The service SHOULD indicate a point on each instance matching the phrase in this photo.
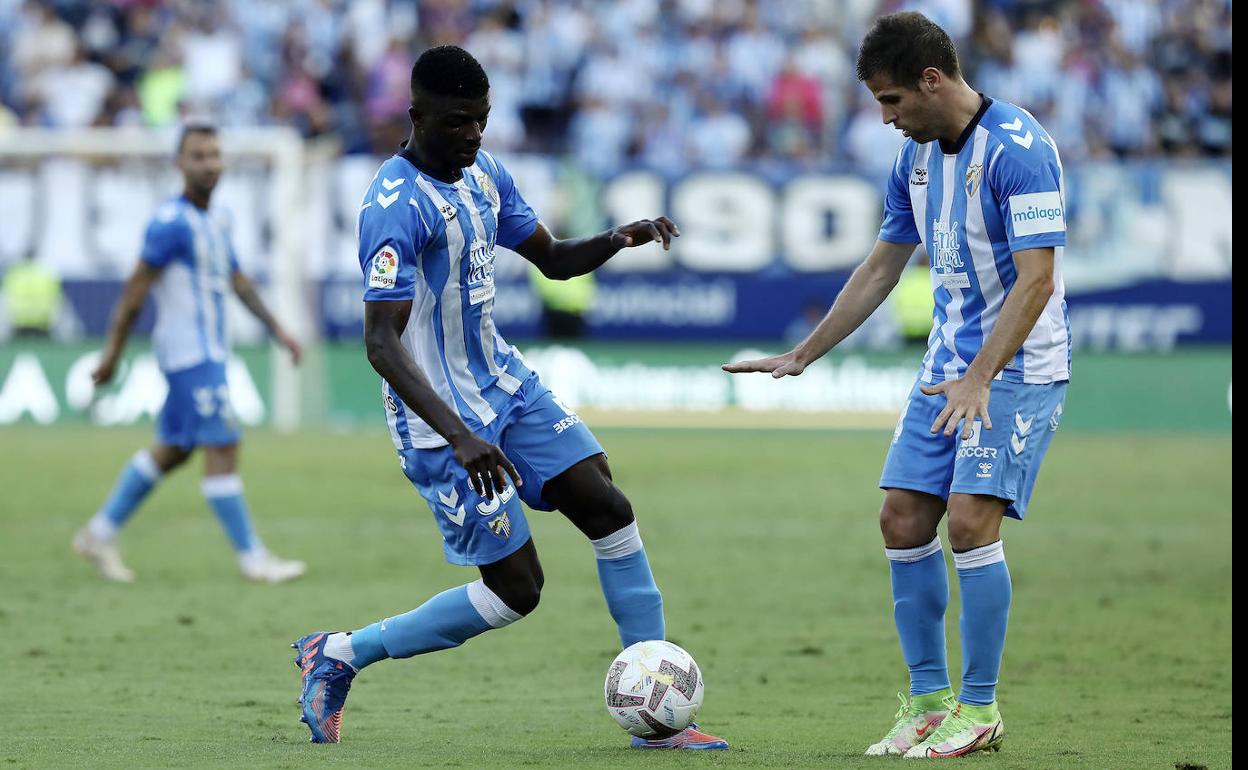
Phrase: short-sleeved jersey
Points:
(1001, 192)
(433, 243)
(192, 249)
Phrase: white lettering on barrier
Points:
(26, 391)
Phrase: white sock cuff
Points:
(145, 464)
(913, 554)
(221, 486)
(980, 557)
(102, 527)
(491, 608)
(617, 545)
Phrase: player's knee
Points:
(967, 531)
(904, 528)
(169, 458)
(618, 511)
(522, 596)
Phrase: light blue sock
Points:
(225, 495)
(632, 596)
(920, 597)
(986, 591)
(447, 620)
(137, 479)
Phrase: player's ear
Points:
(932, 79)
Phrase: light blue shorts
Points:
(541, 439)
(197, 410)
(1002, 462)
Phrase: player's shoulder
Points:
(170, 219)
(1016, 137)
(391, 191)
(395, 201)
(171, 211)
(394, 177)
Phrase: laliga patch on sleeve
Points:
(1036, 213)
(385, 267)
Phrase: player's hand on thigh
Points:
(487, 466)
(966, 400)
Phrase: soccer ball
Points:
(654, 689)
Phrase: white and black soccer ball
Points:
(654, 689)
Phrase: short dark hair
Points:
(191, 129)
(449, 70)
(902, 45)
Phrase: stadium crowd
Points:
(664, 83)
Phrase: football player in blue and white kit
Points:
(979, 185)
(189, 263)
(475, 429)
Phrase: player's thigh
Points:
(974, 520)
(908, 519)
(475, 530)
(169, 457)
(587, 496)
(545, 440)
(919, 460)
(220, 460)
(1004, 462)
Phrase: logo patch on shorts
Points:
(385, 268)
(500, 526)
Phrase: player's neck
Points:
(964, 109)
(198, 200)
(428, 165)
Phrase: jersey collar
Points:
(984, 104)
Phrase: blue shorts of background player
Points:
(197, 410)
(1002, 462)
(540, 437)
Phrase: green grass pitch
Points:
(765, 545)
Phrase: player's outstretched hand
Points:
(779, 366)
(486, 464)
(104, 371)
(292, 346)
(661, 230)
(965, 401)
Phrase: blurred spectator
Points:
(32, 297)
(70, 95)
(667, 82)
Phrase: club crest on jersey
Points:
(488, 188)
(918, 177)
(973, 175)
(385, 267)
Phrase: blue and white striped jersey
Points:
(192, 248)
(1001, 192)
(433, 243)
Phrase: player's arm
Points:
(126, 312)
(967, 396)
(862, 294)
(247, 294)
(384, 322)
(570, 257)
